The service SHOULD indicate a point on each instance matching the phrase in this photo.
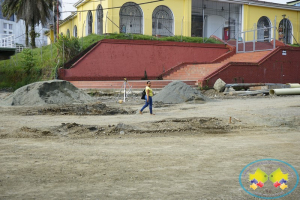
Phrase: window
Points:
(162, 21)
(10, 33)
(75, 31)
(285, 31)
(264, 31)
(89, 23)
(10, 26)
(5, 25)
(68, 33)
(99, 21)
(5, 32)
(131, 18)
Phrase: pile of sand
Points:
(179, 92)
(47, 92)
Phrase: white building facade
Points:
(12, 32)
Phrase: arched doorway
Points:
(89, 24)
(75, 31)
(99, 21)
(285, 31)
(131, 18)
(162, 21)
(263, 32)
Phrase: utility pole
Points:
(54, 32)
(57, 19)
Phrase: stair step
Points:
(199, 71)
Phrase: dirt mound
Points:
(47, 92)
(80, 109)
(179, 92)
(198, 125)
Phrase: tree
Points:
(33, 12)
(11, 7)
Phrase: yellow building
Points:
(258, 15)
(224, 18)
(172, 16)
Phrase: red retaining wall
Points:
(275, 68)
(116, 59)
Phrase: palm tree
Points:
(12, 7)
(33, 12)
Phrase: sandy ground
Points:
(38, 160)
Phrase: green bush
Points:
(67, 48)
(28, 60)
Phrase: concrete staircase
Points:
(200, 71)
(117, 85)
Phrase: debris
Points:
(229, 90)
(197, 125)
(258, 88)
(254, 92)
(286, 91)
(293, 85)
(244, 93)
(219, 85)
(236, 119)
(122, 127)
(179, 92)
(251, 85)
(247, 84)
(80, 109)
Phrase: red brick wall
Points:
(116, 59)
(276, 69)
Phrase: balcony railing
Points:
(7, 41)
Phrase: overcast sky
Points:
(67, 5)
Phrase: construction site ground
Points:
(185, 151)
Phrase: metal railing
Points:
(20, 48)
(244, 44)
(9, 41)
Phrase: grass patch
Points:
(295, 45)
(13, 71)
(87, 41)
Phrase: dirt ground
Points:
(185, 151)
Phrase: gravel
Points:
(46, 92)
(179, 92)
